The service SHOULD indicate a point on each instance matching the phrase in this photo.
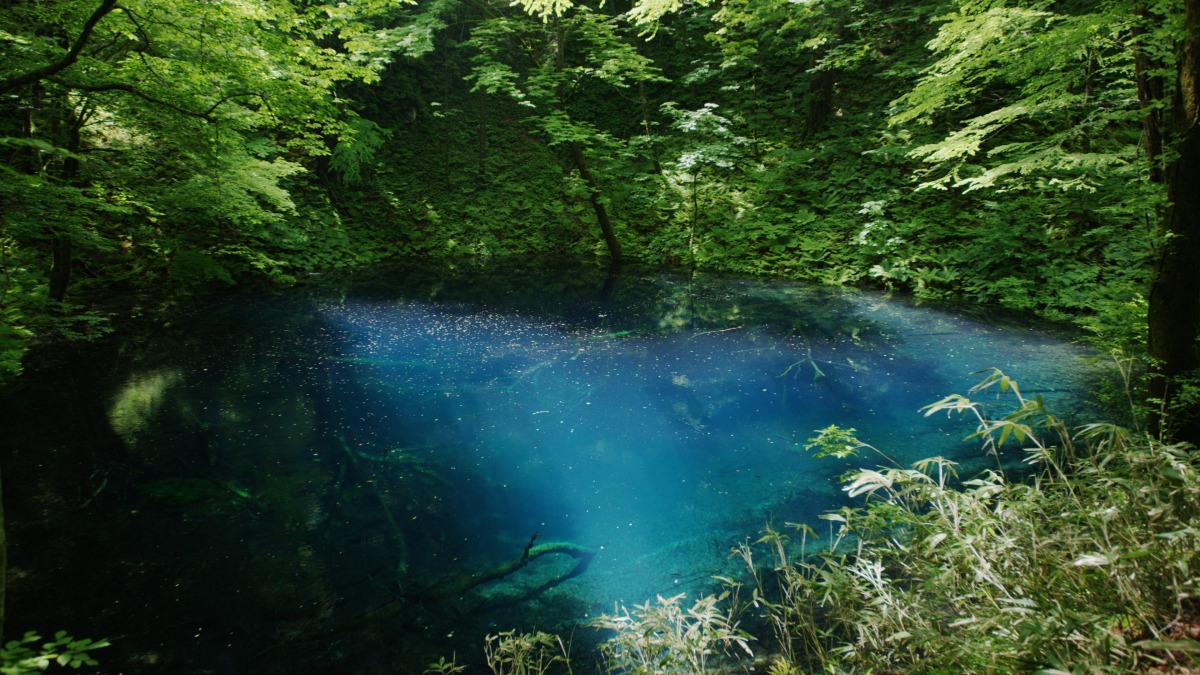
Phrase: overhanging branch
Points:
(69, 58)
(134, 91)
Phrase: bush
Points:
(1090, 564)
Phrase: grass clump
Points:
(1088, 564)
(669, 637)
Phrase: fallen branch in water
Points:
(397, 533)
(449, 588)
(446, 589)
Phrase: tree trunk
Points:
(75, 49)
(576, 151)
(62, 248)
(483, 140)
(60, 266)
(454, 587)
(606, 228)
(1150, 93)
(648, 129)
(695, 219)
(1174, 312)
(3, 564)
(819, 106)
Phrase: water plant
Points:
(444, 667)
(669, 637)
(1087, 564)
(513, 653)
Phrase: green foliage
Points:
(1070, 571)
(954, 149)
(834, 441)
(513, 653)
(1071, 77)
(790, 146)
(357, 149)
(1042, 109)
(13, 336)
(191, 269)
(137, 136)
(28, 656)
(444, 667)
(667, 636)
(546, 9)
(647, 13)
(710, 157)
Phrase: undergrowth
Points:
(1087, 563)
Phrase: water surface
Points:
(287, 481)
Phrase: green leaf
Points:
(1185, 645)
(834, 441)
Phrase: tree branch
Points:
(69, 58)
(130, 89)
(449, 588)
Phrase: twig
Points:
(713, 332)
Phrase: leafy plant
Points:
(27, 656)
(513, 653)
(444, 667)
(1085, 566)
(669, 637)
(13, 337)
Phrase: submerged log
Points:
(453, 587)
(397, 533)
(450, 588)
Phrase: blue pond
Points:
(299, 481)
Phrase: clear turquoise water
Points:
(280, 482)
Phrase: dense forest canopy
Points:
(1033, 154)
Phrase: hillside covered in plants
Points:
(1039, 156)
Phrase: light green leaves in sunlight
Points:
(544, 9)
(834, 441)
(1059, 83)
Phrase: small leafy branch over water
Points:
(31, 654)
(1089, 563)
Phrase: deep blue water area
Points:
(290, 481)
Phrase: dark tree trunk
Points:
(1174, 314)
(819, 107)
(3, 563)
(1150, 94)
(483, 139)
(62, 248)
(576, 151)
(60, 266)
(606, 228)
(51, 69)
(648, 129)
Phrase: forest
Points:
(1030, 156)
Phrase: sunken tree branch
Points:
(457, 586)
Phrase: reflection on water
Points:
(301, 482)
